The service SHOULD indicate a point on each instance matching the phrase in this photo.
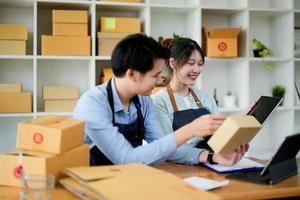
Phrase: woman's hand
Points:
(229, 159)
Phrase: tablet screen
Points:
(264, 107)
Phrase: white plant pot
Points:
(229, 102)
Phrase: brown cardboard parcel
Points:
(13, 47)
(68, 29)
(10, 87)
(50, 134)
(60, 92)
(66, 45)
(120, 24)
(220, 42)
(234, 131)
(60, 105)
(13, 32)
(108, 41)
(15, 102)
(70, 16)
(104, 181)
(40, 163)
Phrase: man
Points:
(119, 114)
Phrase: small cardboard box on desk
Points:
(46, 145)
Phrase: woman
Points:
(180, 103)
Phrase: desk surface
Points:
(235, 190)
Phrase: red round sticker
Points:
(18, 170)
(222, 46)
(38, 138)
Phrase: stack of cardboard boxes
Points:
(46, 145)
(13, 39)
(60, 98)
(70, 34)
(13, 100)
(112, 30)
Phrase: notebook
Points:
(244, 164)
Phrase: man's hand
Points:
(229, 159)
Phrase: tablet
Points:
(287, 150)
(264, 107)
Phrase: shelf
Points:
(221, 11)
(269, 12)
(158, 8)
(269, 59)
(119, 6)
(239, 59)
(61, 4)
(102, 57)
(64, 57)
(16, 57)
(39, 114)
(16, 115)
(17, 4)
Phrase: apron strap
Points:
(137, 105)
(198, 102)
(110, 99)
(173, 102)
(172, 99)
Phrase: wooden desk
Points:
(237, 189)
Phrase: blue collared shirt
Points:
(94, 108)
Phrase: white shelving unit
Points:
(271, 21)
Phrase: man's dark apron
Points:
(133, 132)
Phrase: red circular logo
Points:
(222, 46)
(38, 138)
(18, 170)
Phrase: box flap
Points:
(53, 122)
(224, 33)
(30, 153)
(127, 179)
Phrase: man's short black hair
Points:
(137, 52)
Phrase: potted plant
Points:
(229, 100)
(261, 50)
(278, 91)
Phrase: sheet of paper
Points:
(204, 183)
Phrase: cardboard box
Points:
(15, 102)
(60, 92)
(235, 131)
(70, 16)
(60, 105)
(40, 164)
(50, 134)
(13, 32)
(10, 87)
(120, 24)
(66, 45)
(108, 41)
(13, 47)
(220, 42)
(68, 29)
(127, 179)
